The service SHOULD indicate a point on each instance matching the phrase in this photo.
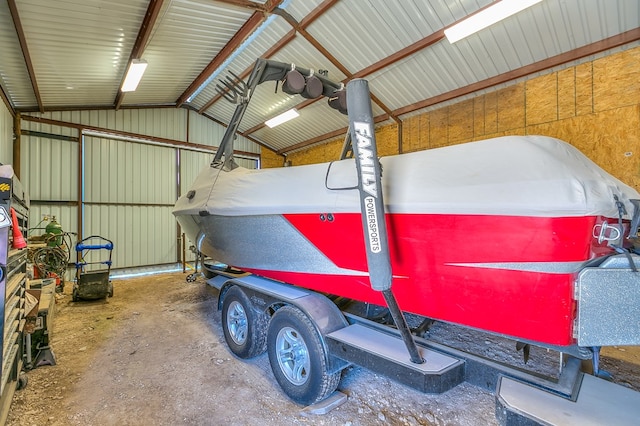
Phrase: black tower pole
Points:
(372, 205)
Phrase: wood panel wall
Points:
(595, 106)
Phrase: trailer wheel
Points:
(298, 358)
(244, 326)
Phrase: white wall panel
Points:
(142, 235)
(6, 135)
(204, 131)
(124, 172)
(191, 163)
(49, 168)
(207, 132)
(128, 188)
(168, 123)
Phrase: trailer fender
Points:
(268, 296)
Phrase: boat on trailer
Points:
(520, 236)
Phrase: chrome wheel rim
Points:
(237, 323)
(293, 355)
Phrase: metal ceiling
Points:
(72, 54)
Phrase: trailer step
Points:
(598, 402)
(386, 354)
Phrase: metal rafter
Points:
(25, 51)
(268, 54)
(254, 21)
(141, 42)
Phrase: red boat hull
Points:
(504, 274)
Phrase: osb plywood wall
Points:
(595, 106)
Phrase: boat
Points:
(493, 234)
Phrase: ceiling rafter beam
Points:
(563, 58)
(25, 51)
(254, 21)
(246, 4)
(94, 107)
(401, 54)
(150, 17)
(269, 53)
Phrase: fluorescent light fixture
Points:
(486, 17)
(279, 119)
(134, 74)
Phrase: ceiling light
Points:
(486, 17)
(134, 74)
(279, 119)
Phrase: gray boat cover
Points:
(511, 175)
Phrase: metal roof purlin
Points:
(25, 51)
(141, 40)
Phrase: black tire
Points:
(244, 326)
(298, 358)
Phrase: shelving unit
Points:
(13, 267)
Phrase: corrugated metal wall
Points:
(128, 188)
(6, 135)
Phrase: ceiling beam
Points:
(246, 4)
(401, 54)
(153, 10)
(252, 24)
(25, 51)
(269, 53)
(93, 107)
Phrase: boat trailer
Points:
(335, 340)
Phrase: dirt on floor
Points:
(155, 354)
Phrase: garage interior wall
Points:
(594, 105)
(127, 189)
(6, 135)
